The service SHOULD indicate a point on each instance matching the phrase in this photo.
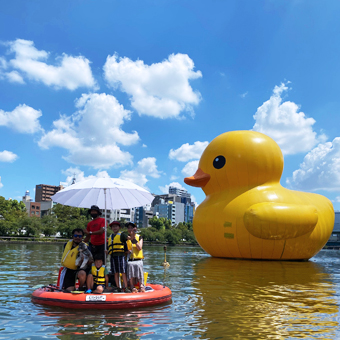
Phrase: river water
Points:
(212, 298)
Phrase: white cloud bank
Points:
(8, 156)
(145, 167)
(190, 168)
(79, 176)
(29, 62)
(291, 129)
(23, 119)
(92, 133)
(160, 90)
(187, 152)
(320, 169)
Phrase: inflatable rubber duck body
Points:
(247, 213)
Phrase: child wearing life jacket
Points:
(117, 249)
(98, 277)
(135, 263)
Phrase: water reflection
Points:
(264, 299)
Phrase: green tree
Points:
(29, 226)
(65, 228)
(173, 236)
(66, 213)
(160, 236)
(11, 210)
(49, 225)
(8, 228)
(147, 234)
(160, 223)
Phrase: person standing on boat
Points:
(135, 263)
(70, 273)
(95, 232)
(117, 249)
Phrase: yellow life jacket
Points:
(115, 244)
(68, 259)
(98, 274)
(136, 254)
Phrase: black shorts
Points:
(95, 286)
(97, 250)
(71, 277)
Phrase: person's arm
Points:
(106, 280)
(139, 244)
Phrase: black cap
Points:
(95, 207)
(130, 223)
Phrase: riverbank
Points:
(51, 240)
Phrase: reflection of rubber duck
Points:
(247, 213)
(258, 299)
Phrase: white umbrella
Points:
(106, 193)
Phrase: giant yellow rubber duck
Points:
(247, 213)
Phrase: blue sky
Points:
(137, 89)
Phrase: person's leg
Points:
(81, 278)
(89, 281)
(117, 280)
(124, 280)
(99, 289)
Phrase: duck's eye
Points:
(219, 162)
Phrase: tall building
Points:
(43, 192)
(142, 216)
(179, 192)
(32, 208)
(118, 214)
(175, 206)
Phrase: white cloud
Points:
(69, 72)
(291, 129)
(145, 167)
(160, 90)
(320, 169)
(15, 77)
(243, 95)
(79, 176)
(8, 156)
(92, 133)
(187, 152)
(1, 185)
(173, 178)
(165, 189)
(23, 119)
(190, 168)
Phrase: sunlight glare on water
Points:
(212, 298)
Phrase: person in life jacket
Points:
(98, 278)
(135, 263)
(117, 249)
(70, 273)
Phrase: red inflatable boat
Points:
(52, 296)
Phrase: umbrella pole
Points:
(105, 243)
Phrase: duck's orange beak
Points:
(200, 179)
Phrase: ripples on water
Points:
(212, 298)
